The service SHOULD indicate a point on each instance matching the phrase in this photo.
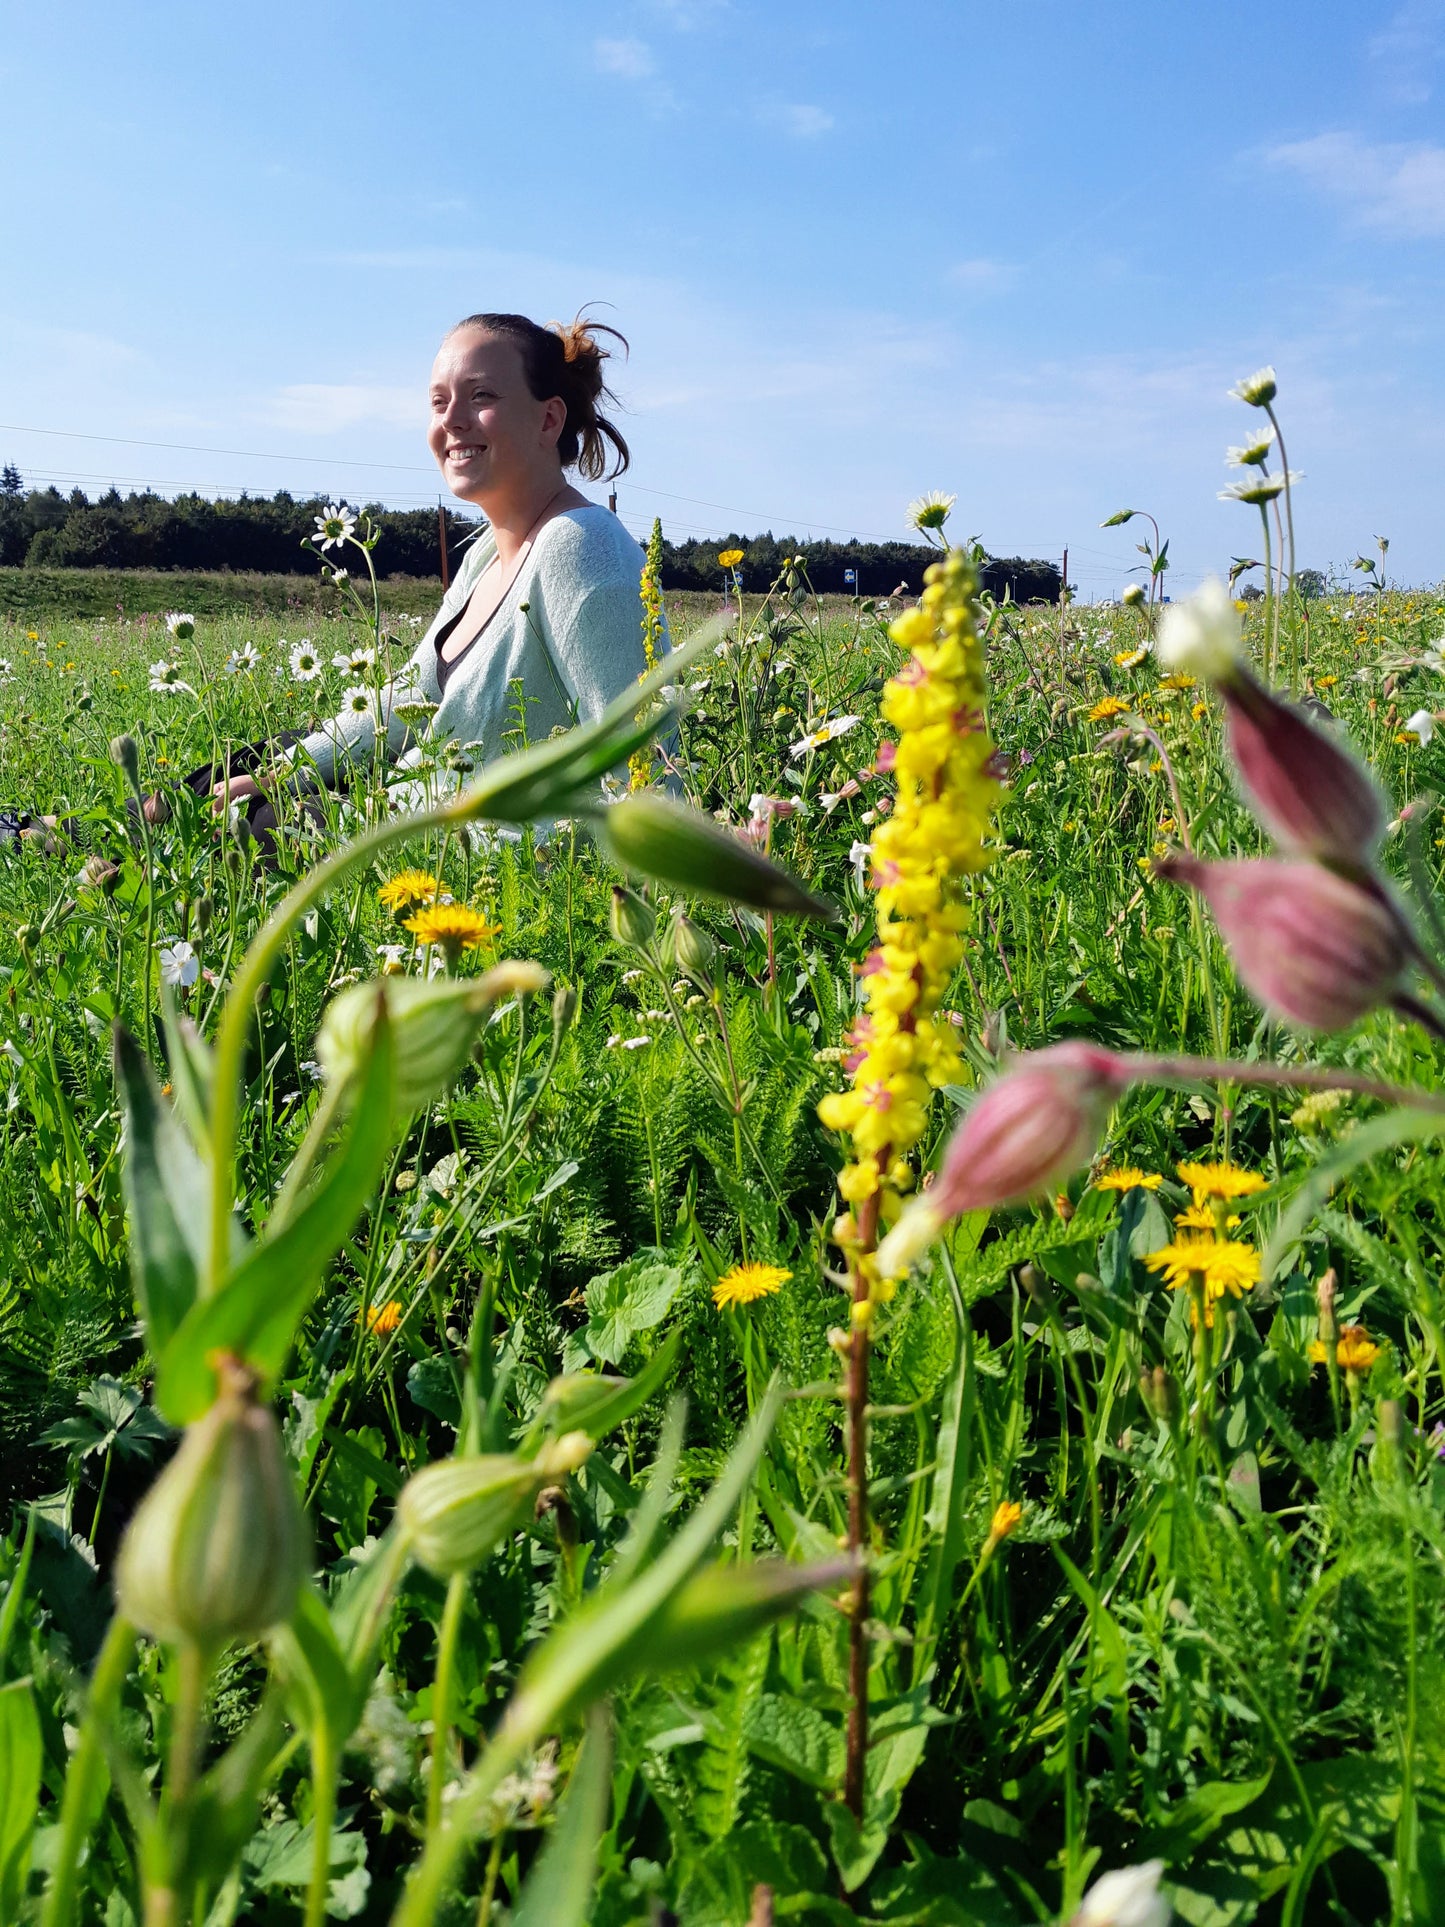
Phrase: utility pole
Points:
(442, 539)
(612, 500)
(1063, 597)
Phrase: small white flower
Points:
(1128, 1897)
(243, 660)
(614, 1040)
(166, 679)
(183, 627)
(830, 799)
(180, 966)
(635, 1043)
(631, 976)
(1422, 724)
(356, 661)
(359, 701)
(9, 1050)
(340, 575)
(1257, 389)
(6, 669)
(305, 663)
(1200, 637)
(1260, 489)
(309, 1068)
(930, 511)
(1254, 452)
(828, 733)
(335, 526)
(858, 856)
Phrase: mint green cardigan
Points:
(569, 630)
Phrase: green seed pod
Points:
(649, 835)
(632, 922)
(126, 757)
(218, 1549)
(205, 914)
(693, 951)
(433, 1027)
(454, 1513)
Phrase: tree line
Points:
(43, 528)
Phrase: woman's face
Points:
(487, 431)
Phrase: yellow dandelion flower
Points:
(745, 1283)
(1325, 682)
(1199, 712)
(730, 558)
(1355, 1350)
(1220, 1181)
(1207, 1264)
(1204, 1217)
(1006, 1517)
(1128, 1177)
(407, 890)
(383, 1319)
(455, 926)
(1107, 708)
(1175, 684)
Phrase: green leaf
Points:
(19, 1790)
(559, 1888)
(596, 1403)
(945, 1517)
(1378, 1134)
(257, 1312)
(789, 1733)
(624, 1303)
(323, 1686)
(718, 1891)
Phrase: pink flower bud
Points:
(1308, 791)
(1037, 1125)
(1316, 948)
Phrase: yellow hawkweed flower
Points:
(1355, 1350)
(1128, 1177)
(1107, 708)
(1199, 712)
(455, 926)
(905, 1048)
(640, 762)
(1220, 1181)
(730, 558)
(1209, 1267)
(383, 1319)
(745, 1283)
(407, 890)
(1005, 1518)
(1325, 682)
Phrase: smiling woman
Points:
(547, 598)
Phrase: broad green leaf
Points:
(19, 1789)
(624, 1303)
(324, 1690)
(257, 1311)
(718, 1891)
(596, 1404)
(789, 1733)
(559, 1888)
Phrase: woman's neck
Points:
(516, 517)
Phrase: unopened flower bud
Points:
(156, 810)
(1133, 597)
(1325, 1300)
(1159, 1392)
(1127, 1897)
(1200, 637)
(126, 757)
(631, 920)
(564, 1010)
(650, 836)
(452, 1514)
(97, 873)
(218, 1548)
(1314, 947)
(434, 1023)
(1314, 798)
(205, 914)
(693, 951)
(1038, 1124)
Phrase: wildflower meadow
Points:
(820, 1300)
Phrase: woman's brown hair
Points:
(566, 362)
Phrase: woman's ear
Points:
(554, 420)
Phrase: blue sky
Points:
(1017, 252)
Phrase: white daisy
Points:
(829, 733)
(180, 966)
(243, 660)
(359, 701)
(183, 627)
(6, 669)
(335, 526)
(355, 662)
(931, 511)
(305, 663)
(166, 679)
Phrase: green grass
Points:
(1215, 1641)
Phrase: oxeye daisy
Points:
(746, 1283)
(335, 526)
(305, 662)
(356, 661)
(359, 701)
(931, 511)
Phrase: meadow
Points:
(575, 1516)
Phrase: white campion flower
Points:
(166, 679)
(1128, 1897)
(305, 663)
(858, 856)
(1422, 724)
(829, 733)
(180, 966)
(181, 626)
(335, 526)
(1200, 637)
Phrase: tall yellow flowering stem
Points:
(904, 1047)
(640, 762)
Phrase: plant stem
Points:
(856, 1402)
(323, 1786)
(442, 1693)
(83, 1778)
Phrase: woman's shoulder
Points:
(591, 543)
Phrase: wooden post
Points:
(442, 539)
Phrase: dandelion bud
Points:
(452, 1514)
(1038, 1124)
(218, 1549)
(97, 873)
(126, 757)
(1159, 1393)
(693, 951)
(1315, 948)
(632, 922)
(156, 810)
(1308, 791)
(434, 1024)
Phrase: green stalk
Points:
(442, 1695)
(323, 1785)
(82, 1781)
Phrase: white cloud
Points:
(1395, 187)
(801, 121)
(628, 59)
(981, 276)
(1404, 53)
(325, 408)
